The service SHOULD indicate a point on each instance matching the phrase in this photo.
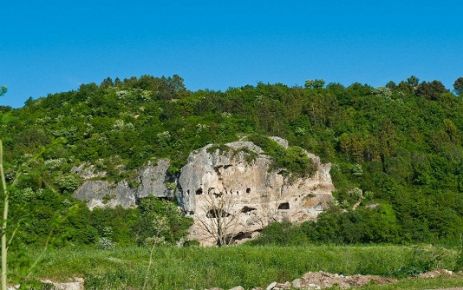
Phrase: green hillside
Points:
(396, 149)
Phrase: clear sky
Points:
(53, 46)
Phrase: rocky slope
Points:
(98, 192)
(232, 192)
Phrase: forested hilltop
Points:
(396, 151)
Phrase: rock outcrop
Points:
(234, 189)
(152, 180)
(102, 193)
(96, 192)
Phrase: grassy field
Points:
(198, 268)
(420, 284)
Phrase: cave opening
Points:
(242, 236)
(283, 205)
(217, 213)
(247, 209)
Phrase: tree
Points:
(431, 90)
(413, 81)
(387, 141)
(5, 218)
(458, 86)
(220, 219)
(107, 83)
(391, 85)
(149, 229)
(6, 199)
(5, 211)
(314, 84)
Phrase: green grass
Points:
(419, 284)
(199, 268)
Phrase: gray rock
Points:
(297, 283)
(283, 286)
(152, 180)
(102, 193)
(271, 286)
(87, 171)
(237, 288)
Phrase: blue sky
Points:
(53, 46)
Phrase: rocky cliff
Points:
(98, 192)
(230, 190)
(235, 192)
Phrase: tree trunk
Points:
(5, 219)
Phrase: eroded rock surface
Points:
(101, 193)
(152, 180)
(255, 195)
(238, 174)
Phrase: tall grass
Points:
(199, 268)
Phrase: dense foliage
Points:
(292, 159)
(397, 151)
(48, 216)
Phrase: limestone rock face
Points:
(239, 176)
(254, 195)
(102, 193)
(152, 180)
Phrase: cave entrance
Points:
(217, 213)
(247, 209)
(283, 205)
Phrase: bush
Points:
(293, 159)
(160, 219)
(335, 226)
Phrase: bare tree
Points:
(220, 219)
(6, 197)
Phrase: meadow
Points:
(248, 266)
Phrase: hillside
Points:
(396, 151)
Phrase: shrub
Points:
(174, 225)
(293, 159)
(377, 225)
